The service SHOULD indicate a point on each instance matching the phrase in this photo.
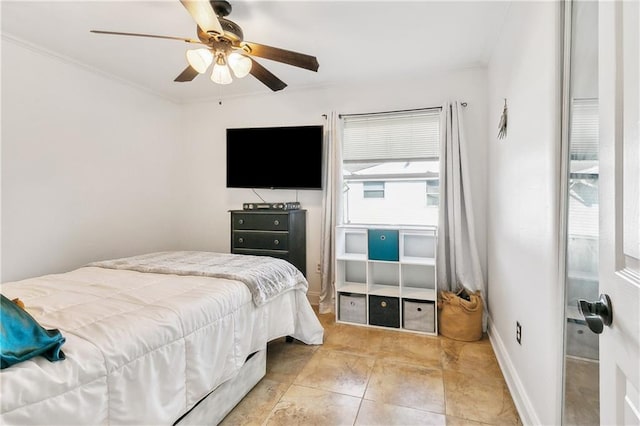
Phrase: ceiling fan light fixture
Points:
(221, 73)
(240, 64)
(199, 59)
(221, 43)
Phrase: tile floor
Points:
(366, 376)
(582, 398)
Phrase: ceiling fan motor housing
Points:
(232, 32)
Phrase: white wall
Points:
(523, 208)
(89, 166)
(206, 224)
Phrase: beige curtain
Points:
(331, 211)
(458, 263)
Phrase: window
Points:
(373, 189)
(583, 173)
(388, 160)
(582, 227)
(433, 192)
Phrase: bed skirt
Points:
(215, 406)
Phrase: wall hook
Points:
(502, 126)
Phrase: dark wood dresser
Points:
(276, 233)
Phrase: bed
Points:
(162, 338)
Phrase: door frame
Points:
(563, 202)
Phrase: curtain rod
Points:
(464, 104)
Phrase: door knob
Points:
(597, 314)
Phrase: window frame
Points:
(368, 166)
(435, 194)
(377, 192)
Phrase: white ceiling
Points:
(354, 41)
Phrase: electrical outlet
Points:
(518, 333)
(318, 270)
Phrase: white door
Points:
(619, 262)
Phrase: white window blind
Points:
(393, 136)
(584, 129)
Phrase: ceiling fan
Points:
(224, 46)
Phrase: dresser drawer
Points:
(261, 240)
(263, 222)
(278, 254)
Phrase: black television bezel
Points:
(319, 187)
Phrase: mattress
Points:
(141, 348)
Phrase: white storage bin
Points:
(418, 315)
(352, 307)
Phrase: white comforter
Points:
(141, 348)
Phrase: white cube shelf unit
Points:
(386, 277)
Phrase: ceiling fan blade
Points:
(187, 75)
(202, 12)
(266, 77)
(285, 56)
(188, 40)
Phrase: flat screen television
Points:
(288, 157)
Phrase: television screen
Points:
(275, 157)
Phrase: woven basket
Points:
(458, 318)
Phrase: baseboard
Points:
(314, 297)
(518, 392)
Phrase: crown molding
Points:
(79, 64)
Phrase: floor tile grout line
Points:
(326, 390)
(369, 374)
(264, 422)
(289, 385)
(355, 420)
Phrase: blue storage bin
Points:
(383, 244)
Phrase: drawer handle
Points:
(383, 304)
(241, 240)
(240, 221)
(419, 309)
(352, 303)
(382, 237)
(276, 242)
(276, 222)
